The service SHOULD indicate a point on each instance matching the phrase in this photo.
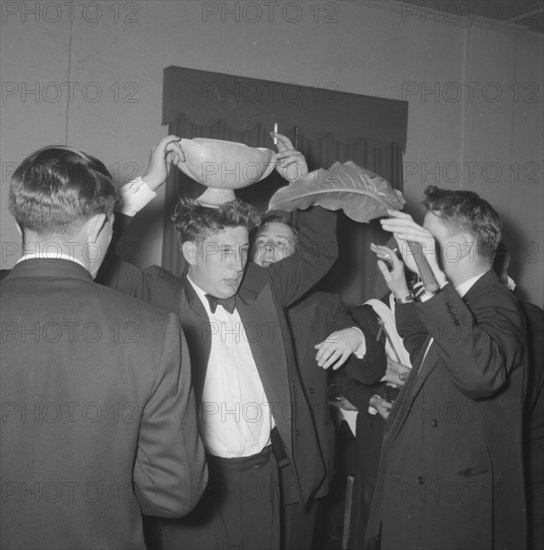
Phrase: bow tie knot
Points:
(228, 303)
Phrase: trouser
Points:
(240, 508)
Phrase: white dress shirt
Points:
(235, 418)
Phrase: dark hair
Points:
(193, 221)
(466, 211)
(273, 217)
(56, 188)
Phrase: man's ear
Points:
(190, 251)
(94, 226)
(468, 246)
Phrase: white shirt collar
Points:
(51, 256)
(463, 288)
(201, 294)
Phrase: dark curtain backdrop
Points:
(354, 274)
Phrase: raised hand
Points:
(290, 163)
(406, 230)
(394, 278)
(396, 373)
(166, 153)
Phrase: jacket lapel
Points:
(197, 328)
(423, 367)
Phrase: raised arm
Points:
(317, 246)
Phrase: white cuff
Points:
(360, 352)
(134, 196)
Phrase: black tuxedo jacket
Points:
(261, 299)
(99, 419)
(312, 319)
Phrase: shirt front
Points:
(235, 418)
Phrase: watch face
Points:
(405, 299)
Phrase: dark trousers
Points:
(240, 508)
(298, 525)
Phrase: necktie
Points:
(227, 303)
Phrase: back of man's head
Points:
(466, 212)
(194, 222)
(56, 189)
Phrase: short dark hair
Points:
(193, 222)
(274, 217)
(56, 188)
(467, 211)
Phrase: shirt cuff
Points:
(360, 352)
(134, 196)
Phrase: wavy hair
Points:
(193, 222)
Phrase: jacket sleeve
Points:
(479, 346)
(315, 253)
(170, 472)
(356, 393)
(372, 367)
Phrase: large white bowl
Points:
(223, 164)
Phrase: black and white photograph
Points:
(272, 275)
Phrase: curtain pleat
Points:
(354, 274)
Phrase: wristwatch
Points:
(404, 299)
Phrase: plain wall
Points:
(91, 76)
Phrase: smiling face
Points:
(274, 242)
(217, 264)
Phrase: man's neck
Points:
(56, 248)
(466, 269)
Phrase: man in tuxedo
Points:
(451, 471)
(98, 414)
(252, 410)
(324, 336)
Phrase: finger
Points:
(324, 351)
(332, 359)
(341, 361)
(288, 153)
(175, 147)
(384, 271)
(166, 140)
(283, 141)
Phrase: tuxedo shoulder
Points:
(126, 306)
(256, 277)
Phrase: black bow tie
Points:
(227, 303)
